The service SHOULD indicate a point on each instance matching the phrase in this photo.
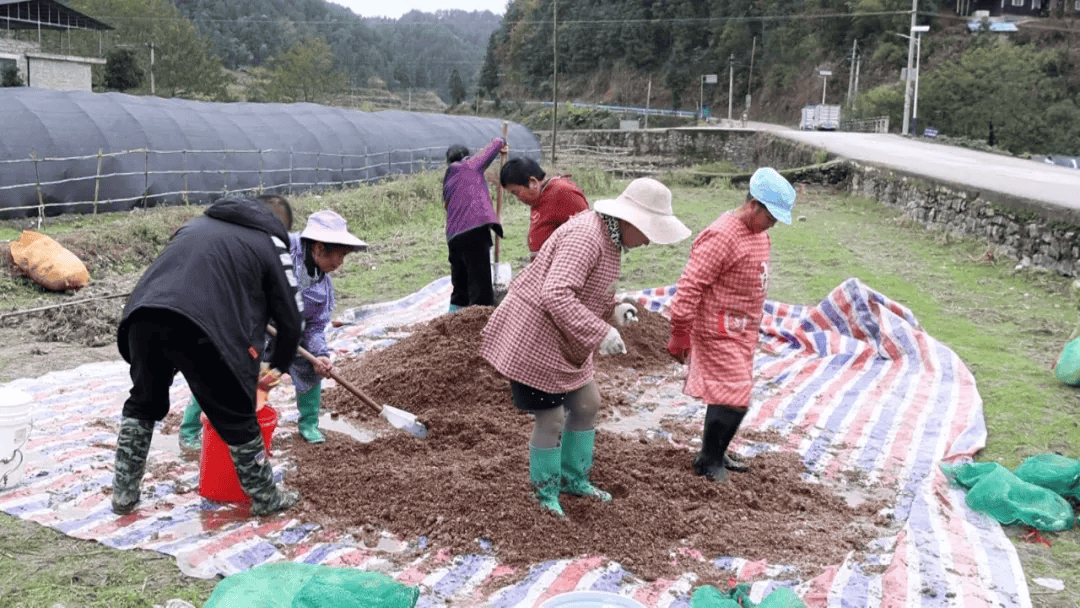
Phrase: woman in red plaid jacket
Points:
(716, 313)
(559, 311)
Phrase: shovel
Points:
(399, 419)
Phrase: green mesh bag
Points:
(708, 596)
(1067, 368)
(996, 491)
(1057, 473)
(290, 585)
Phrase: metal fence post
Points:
(146, 176)
(183, 167)
(260, 172)
(342, 171)
(40, 198)
(97, 180)
(290, 171)
(224, 173)
(318, 160)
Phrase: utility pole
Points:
(555, 78)
(855, 95)
(151, 67)
(750, 75)
(648, 97)
(910, 61)
(731, 84)
(851, 72)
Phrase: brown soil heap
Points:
(469, 479)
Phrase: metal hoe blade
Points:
(400, 419)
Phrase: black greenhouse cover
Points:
(73, 151)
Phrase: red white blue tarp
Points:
(853, 384)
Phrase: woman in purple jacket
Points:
(469, 221)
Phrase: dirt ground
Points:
(469, 478)
(474, 466)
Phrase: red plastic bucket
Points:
(217, 475)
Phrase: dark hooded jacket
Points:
(230, 273)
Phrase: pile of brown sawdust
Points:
(468, 479)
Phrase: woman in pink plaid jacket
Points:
(716, 314)
(559, 311)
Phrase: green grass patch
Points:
(1007, 325)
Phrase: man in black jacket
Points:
(202, 309)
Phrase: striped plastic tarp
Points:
(853, 385)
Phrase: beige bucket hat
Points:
(646, 204)
(328, 227)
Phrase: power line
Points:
(530, 22)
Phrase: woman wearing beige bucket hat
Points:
(557, 313)
(316, 252)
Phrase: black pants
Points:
(470, 268)
(162, 342)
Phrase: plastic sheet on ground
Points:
(853, 385)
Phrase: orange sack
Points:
(48, 263)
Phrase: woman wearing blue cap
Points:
(716, 314)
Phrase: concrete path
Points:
(1034, 180)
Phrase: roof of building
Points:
(44, 14)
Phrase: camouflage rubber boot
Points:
(545, 475)
(191, 427)
(257, 479)
(577, 461)
(132, 446)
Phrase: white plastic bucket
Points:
(14, 430)
(591, 599)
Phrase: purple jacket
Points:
(318, 306)
(465, 193)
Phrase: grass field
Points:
(1007, 325)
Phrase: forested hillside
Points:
(279, 41)
(1012, 91)
(1015, 92)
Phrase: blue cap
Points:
(771, 189)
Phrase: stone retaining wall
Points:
(1030, 232)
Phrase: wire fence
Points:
(109, 181)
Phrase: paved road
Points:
(1038, 181)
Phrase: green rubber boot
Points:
(191, 427)
(132, 447)
(577, 461)
(308, 404)
(257, 479)
(545, 474)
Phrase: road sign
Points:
(825, 72)
(709, 78)
(930, 132)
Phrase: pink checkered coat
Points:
(722, 290)
(545, 331)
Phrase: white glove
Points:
(624, 313)
(612, 344)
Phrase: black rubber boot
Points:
(132, 447)
(257, 479)
(721, 424)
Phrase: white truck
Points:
(820, 118)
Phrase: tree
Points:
(1006, 85)
(10, 77)
(303, 72)
(489, 75)
(184, 65)
(457, 88)
(122, 71)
